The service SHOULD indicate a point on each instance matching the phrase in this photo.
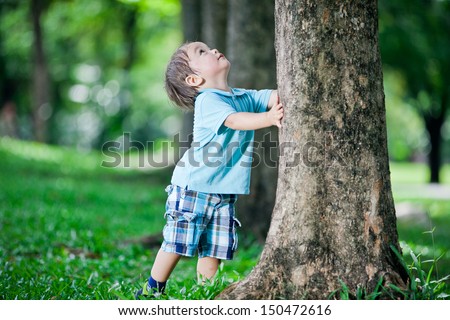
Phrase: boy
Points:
(210, 175)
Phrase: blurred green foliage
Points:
(407, 137)
(106, 61)
(415, 47)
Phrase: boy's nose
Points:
(215, 51)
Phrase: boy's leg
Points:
(207, 267)
(164, 264)
(162, 268)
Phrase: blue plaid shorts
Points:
(202, 222)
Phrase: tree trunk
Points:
(334, 216)
(252, 54)
(40, 90)
(433, 124)
(191, 19)
(192, 23)
(214, 24)
(8, 109)
(203, 20)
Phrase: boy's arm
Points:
(254, 121)
(273, 100)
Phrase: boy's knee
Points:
(207, 267)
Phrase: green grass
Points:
(71, 229)
(416, 236)
(416, 173)
(64, 221)
(430, 240)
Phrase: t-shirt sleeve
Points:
(212, 111)
(260, 99)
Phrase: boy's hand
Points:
(275, 114)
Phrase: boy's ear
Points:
(194, 80)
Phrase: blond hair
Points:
(182, 94)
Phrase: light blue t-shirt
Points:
(220, 159)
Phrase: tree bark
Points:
(251, 51)
(40, 86)
(334, 216)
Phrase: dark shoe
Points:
(142, 292)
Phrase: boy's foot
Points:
(144, 293)
(140, 294)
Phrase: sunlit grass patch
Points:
(416, 173)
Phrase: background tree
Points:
(41, 83)
(9, 83)
(334, 214)
(214, 23)
(415, 43)
(251, 32)
(191, 17)
(203, 20)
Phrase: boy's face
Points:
(208, 63)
